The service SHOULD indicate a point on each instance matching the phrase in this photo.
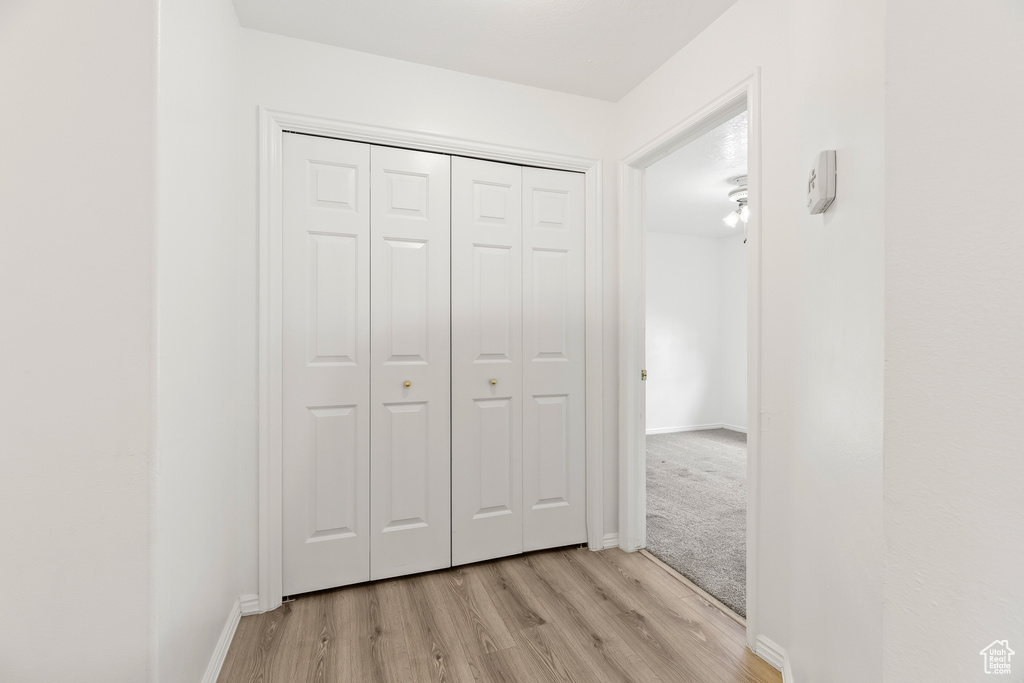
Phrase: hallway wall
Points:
(954, 388)
(195, 529)
(822, 305)
(77, 159)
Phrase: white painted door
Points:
(554, 406)
(326, 363)
(487, 364)
(410, 488)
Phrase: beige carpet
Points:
(697, 509)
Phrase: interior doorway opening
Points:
(695, 218)
(744, 96)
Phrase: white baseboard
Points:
(249, 604)
(611, 540)
(696, 428)
(774, 654)
(223, 643)
(690, 428)
(770, 651)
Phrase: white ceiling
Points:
(597, 48)
(687, 192)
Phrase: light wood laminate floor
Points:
(561, 615)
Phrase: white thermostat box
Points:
(821, 184)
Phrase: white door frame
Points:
(272, 126)
(632, 461)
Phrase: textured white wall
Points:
(310, 78)
(76, 206)
(696, 331)
(822, 307)
(954, 387)
(196, 575)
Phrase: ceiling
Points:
(686, 193)
(596, 48)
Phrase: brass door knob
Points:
(408, 384)
(494, 382)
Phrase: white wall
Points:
(733, 273)
(954, 389)
(196, 574)
(822, 307)
(76, 205)
(696, 304)
(309, 78)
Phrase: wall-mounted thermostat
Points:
(821, 185)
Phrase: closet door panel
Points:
(410, 515)
(554, 382)
(326, 363)
(487, 516)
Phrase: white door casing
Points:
(410, 362)
(487, 363)
(554, 352)
(326, 363)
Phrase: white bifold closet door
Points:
(380, 272)
(410, 359)
(487, 360)
(554, 350)
(326, 363)
(366, 424)
(518, 390)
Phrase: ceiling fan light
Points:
(732, 219)
(744, 213)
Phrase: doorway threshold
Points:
(695, 588)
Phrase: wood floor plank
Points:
(468, 603)
(508, 665)
(633, 565)
(350, 614)
(582, 622)
(709, 651)
(550, 657)
(515, 606)
(563, 615)
(390, 658)
(434, 648)
(677, 646)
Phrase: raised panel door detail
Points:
(492, 302)
(407, 461)
(335, 450)
(549, 209)
(334, 289)
(552, 425)
(334, 184)
(492, 203)
(494, 420)
(550, 303)
(409, 287)
(407, 194)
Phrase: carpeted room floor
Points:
(697, 509)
